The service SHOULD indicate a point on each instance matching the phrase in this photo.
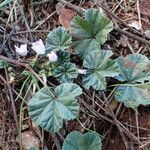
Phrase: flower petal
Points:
(38, 47)
(52, 57)
(22, 50)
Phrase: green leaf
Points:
(90, 31)
(99, 66)
(46, 68)
(58, 39)
(4, 3)
(63, 56)
(78, 141)
(48, 108)
(133, 95)
(134, 68)
(136, 75)
(65, 72)
(34, 148)
(3, 64)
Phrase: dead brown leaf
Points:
(113, 105)
(65, 17)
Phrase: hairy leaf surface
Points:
(66, 72)
(48, 108)
(90, 31)
(58, 39)
(99, 66)
(78, 141)
(136, 75)
(133, 95)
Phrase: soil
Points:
(145, 7)
(8, 130)
(120, 45)
(129, 120)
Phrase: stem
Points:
(21, 117)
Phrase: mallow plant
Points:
(135, 78)
(50, 107)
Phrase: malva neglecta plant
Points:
(50, 107)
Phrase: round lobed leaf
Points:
(48, 108)
(136, 75)
(99, 66)
(90, 31)
(65, 72)
(58, 39)
(133, 95)
(78, 141)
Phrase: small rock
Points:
(29, 140)
(135, 24)
(147, 33)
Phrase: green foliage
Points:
(65, 72)
(99, 66)
(48, 108)
(63, 56)
(47, 69)
(52, 69)
(78, 141)
(136, 77)
(34, 148)
(90, 31)
(3, 64)
(58, 39)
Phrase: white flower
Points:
(82, 71)
(52, 56)
(22, 50)
(135, 24)
(38, 47)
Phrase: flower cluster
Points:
(38, 47)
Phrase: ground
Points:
(22, 22)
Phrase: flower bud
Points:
(52, 57)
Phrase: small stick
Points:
(137, 125)
(112, 15)
(145, 144)
(57, 142)
(11, 98)
(98, 116)
(45, 20)
(139, 15)
(93, 111)
(30, 31)
(76, 8)
(17, 63)
(133, 36)
(39, 3)
(116, 122)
